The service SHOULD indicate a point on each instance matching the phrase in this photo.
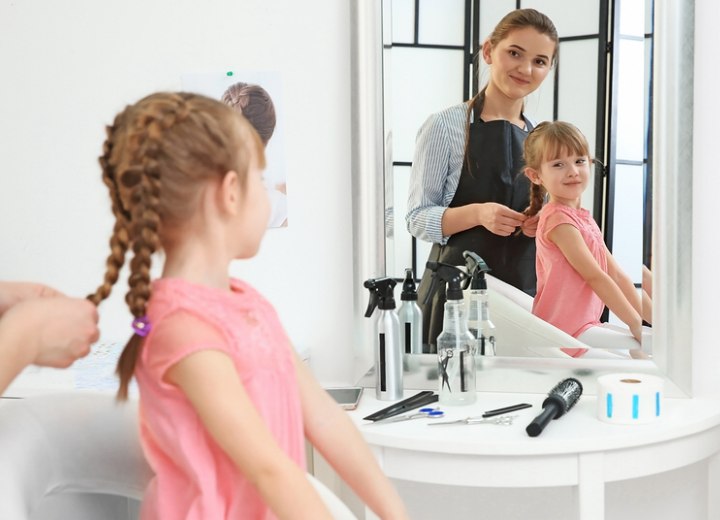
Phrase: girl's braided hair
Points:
(158, 154)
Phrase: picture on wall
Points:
(256, 95)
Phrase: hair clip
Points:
(142, 326)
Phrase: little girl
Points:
(577, 275)
(224, 400)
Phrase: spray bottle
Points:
(455, 344)
(388, 349)
(410, 316)
(478, 310)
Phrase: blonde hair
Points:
(547, 141)
(158, 154)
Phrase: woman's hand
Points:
(529, 227)
(12, 293)
(54, 331)
(499, 219)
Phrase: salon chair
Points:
(77, 455)
(520, 333)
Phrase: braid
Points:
(478, 101)
(537, 197)
(119, 238)
(158, 155)
(144, 182)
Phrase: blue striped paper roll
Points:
(630, 398)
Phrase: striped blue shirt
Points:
(437, 163)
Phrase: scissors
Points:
(505, 420)
(443, 366)
(432, 413)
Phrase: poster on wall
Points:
(258, 96)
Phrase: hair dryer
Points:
(560, 399)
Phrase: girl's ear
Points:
(532, 174)
(230, 192)
(487, 52)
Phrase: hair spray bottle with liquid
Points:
(388, 349)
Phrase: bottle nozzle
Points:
(476, 268)
(409, 290)
(451, 275)
(382, 294)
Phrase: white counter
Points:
(574, 450)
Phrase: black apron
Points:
(495, 156)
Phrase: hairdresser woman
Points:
(467, 189)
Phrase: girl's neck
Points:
(200, 260)
(571, 203)
(499, 106)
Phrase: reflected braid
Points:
(476, 104)
(537, 197)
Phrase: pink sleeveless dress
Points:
(194, 479)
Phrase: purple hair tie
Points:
(142, 326)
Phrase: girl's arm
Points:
(428, 178)
(334, 435)
(573, 247)
(624, 282)
(230, 417)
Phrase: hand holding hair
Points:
(12, 293)
(54, 331)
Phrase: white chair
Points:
(83, 445)
(68, 443)
(518, 332)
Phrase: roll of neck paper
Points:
(629, 398)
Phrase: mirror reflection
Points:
(433, 62)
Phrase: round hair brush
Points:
(560, 399)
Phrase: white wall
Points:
(68, 67)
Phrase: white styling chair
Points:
(79, 443)
(520, 333)
(82, 444)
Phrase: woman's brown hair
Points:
(157, 157)
(547, 141)
(514, 20)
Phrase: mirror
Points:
(672, 91)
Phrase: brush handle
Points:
(538, 424)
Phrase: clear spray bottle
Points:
(478, 309)
(455, 344)
(388, 349)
